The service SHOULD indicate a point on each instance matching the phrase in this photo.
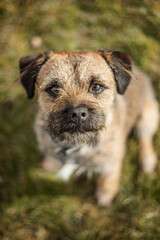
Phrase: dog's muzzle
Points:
(76, 119)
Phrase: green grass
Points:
(35, 204)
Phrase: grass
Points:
(35, 204)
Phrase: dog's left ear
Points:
(29, 69)
(121, 65)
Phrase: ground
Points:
(35, 204)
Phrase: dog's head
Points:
(76, 90)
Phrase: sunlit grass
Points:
(38, 205)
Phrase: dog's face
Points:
(76, 90)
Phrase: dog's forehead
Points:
(70, 66)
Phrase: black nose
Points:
(78, 114)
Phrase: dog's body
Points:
(88, 103)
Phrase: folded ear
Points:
(120, 63)
(29, 69)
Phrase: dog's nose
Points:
(78, 114)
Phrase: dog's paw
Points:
(104, 199)
(149, 163)
(50, 164)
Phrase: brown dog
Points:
(88, 103)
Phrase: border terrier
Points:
(88, 102)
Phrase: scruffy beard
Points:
(76, 138)
(61, 129)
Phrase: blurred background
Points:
(34, 204)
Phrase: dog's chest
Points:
(75, 154)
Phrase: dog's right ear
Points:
(29, 69)
(121, 65)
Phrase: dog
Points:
(88, 103)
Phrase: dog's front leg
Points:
(108, 185)
(109, 178)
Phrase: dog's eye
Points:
(53, 90)
(96, 88)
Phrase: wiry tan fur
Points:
(137, 107)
